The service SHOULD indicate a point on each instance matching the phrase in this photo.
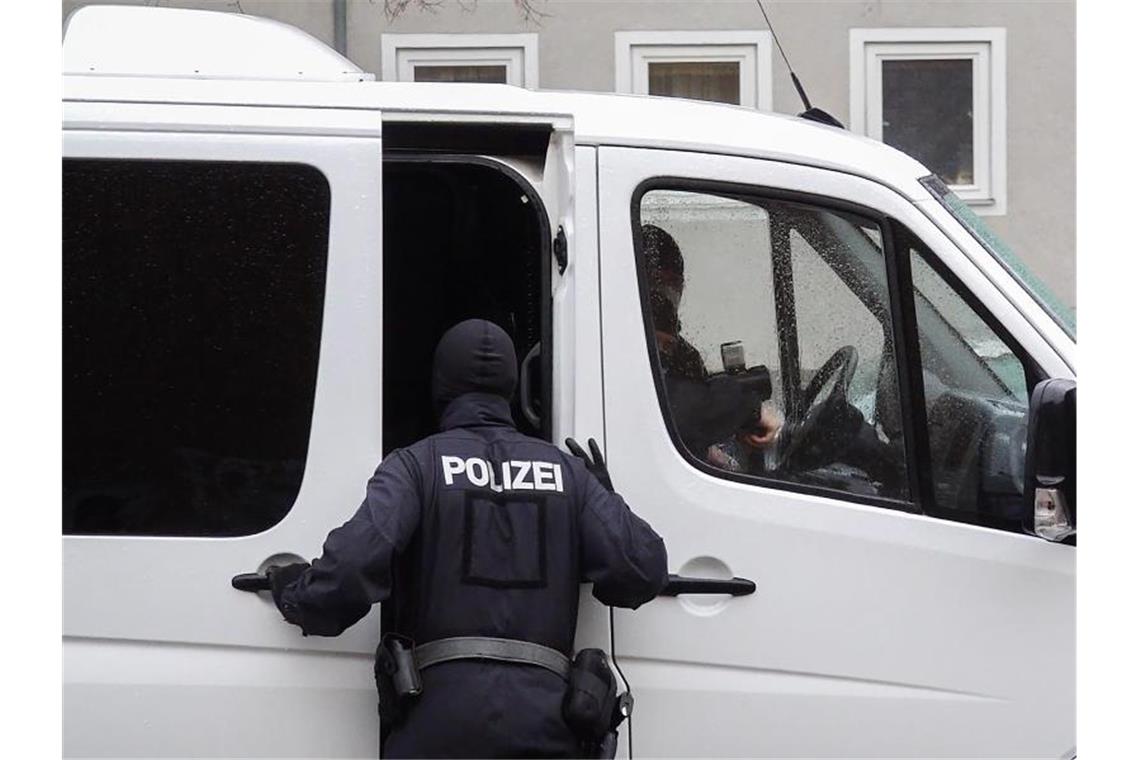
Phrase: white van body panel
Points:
(600, 119)
(244, 120)
(872, 632)
(157, 645)
(579, 411)
(128, 698)
(577, 331)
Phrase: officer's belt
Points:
(489, 648)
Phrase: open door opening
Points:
(464, 237)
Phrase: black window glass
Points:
(192, 302)
(938, 131)
(496, 74)
(771, 330)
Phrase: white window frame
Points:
(985, 47)
(634, 51)
(401, 53)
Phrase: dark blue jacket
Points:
(480, 530)
(473, 554)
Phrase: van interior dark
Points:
(463, 238)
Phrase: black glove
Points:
(281, 576)
(597, 465)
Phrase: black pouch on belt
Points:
(397, 677)
(406, 677)
(388, 703)
(591, 696)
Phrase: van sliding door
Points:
(221, 413)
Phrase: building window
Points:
(496, 58)
(937, 95)
(726, 67)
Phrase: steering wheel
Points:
(825, 424)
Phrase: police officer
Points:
(479, 531)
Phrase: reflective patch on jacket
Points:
(513, 475)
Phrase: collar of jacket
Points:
(477, 410)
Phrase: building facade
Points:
(984, 94)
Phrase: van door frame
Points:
(546, 331)
(500, 138)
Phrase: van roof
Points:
(151, 56)
(597, 118)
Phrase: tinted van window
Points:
(192, 302)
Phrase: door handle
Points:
(259, 581)
(681, 584)
(251, 582)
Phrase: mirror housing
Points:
(1050, 507)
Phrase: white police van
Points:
(261, 246)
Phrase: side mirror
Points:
(1050, 508)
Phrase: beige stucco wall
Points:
(576, 51)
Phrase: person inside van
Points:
(726, 428)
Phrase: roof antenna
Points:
(810, 112)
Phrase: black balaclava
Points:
(474, 356)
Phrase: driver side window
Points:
(770, 331)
